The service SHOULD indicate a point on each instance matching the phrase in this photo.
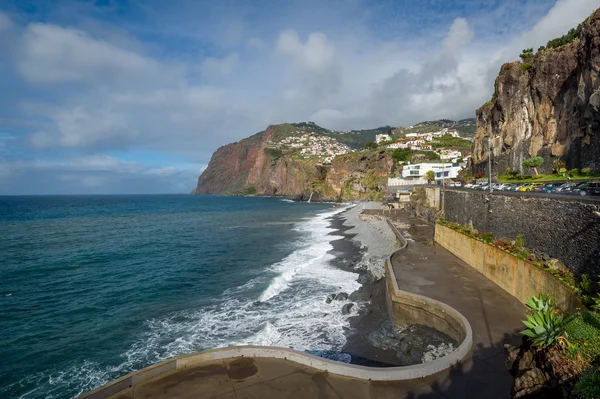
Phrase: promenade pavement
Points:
(495, 316)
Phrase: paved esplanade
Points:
(495, 316)
(423, 269)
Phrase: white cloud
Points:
(459, 36)
(52, 54)
(316, 54)
(220, 67)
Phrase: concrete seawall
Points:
(404, 308)
(518, 277)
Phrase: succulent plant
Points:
(541, 303)
(543, 327)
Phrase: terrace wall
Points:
(566, 228)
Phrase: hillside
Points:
(466, 127)
(548, 105)
(294, 160)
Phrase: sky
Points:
(133, 97)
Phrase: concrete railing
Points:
(518, 277)
(405, 308)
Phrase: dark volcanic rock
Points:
(342, 296)
(330, 298)
(346, 308)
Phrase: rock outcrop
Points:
(549, 107)
(252, 166)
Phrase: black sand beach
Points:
(372, 312)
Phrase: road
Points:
(567, 197)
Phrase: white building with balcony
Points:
(441, 170)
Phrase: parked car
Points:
(539, 188)
(529, 187)
(552, 187)
(518, 186)
(589, 188)
(568, 188)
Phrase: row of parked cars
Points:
(585, 188)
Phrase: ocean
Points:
(93, 287)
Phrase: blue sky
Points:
(103, 97)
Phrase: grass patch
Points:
(588, 386)
(583, 330)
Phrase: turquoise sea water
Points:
(93, 287)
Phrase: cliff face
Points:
(252, 166)
(549, 109)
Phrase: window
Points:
(414, 172)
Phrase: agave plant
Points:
(541, 303)
(543, 327)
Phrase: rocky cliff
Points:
(255, 166)
(547, 106)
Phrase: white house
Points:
(397, 145)
(441, 170)
(382, 137)
(449, 155)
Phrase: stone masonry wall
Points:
(562, 228)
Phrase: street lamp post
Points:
(490, 163)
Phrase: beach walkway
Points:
(495, 316)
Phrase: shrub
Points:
(533, 162)
(519, 242)
(574, 172)
(526, 66)
(571, 36)
(586, 171)
(526, 55)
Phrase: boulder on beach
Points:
(342, 296)
(329, 298)
(346, 308)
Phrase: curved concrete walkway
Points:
(495, 316)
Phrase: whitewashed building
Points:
(380, 138)
(441, 170)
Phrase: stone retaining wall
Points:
(562, 227)
(519, 278)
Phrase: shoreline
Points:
(364, 247)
